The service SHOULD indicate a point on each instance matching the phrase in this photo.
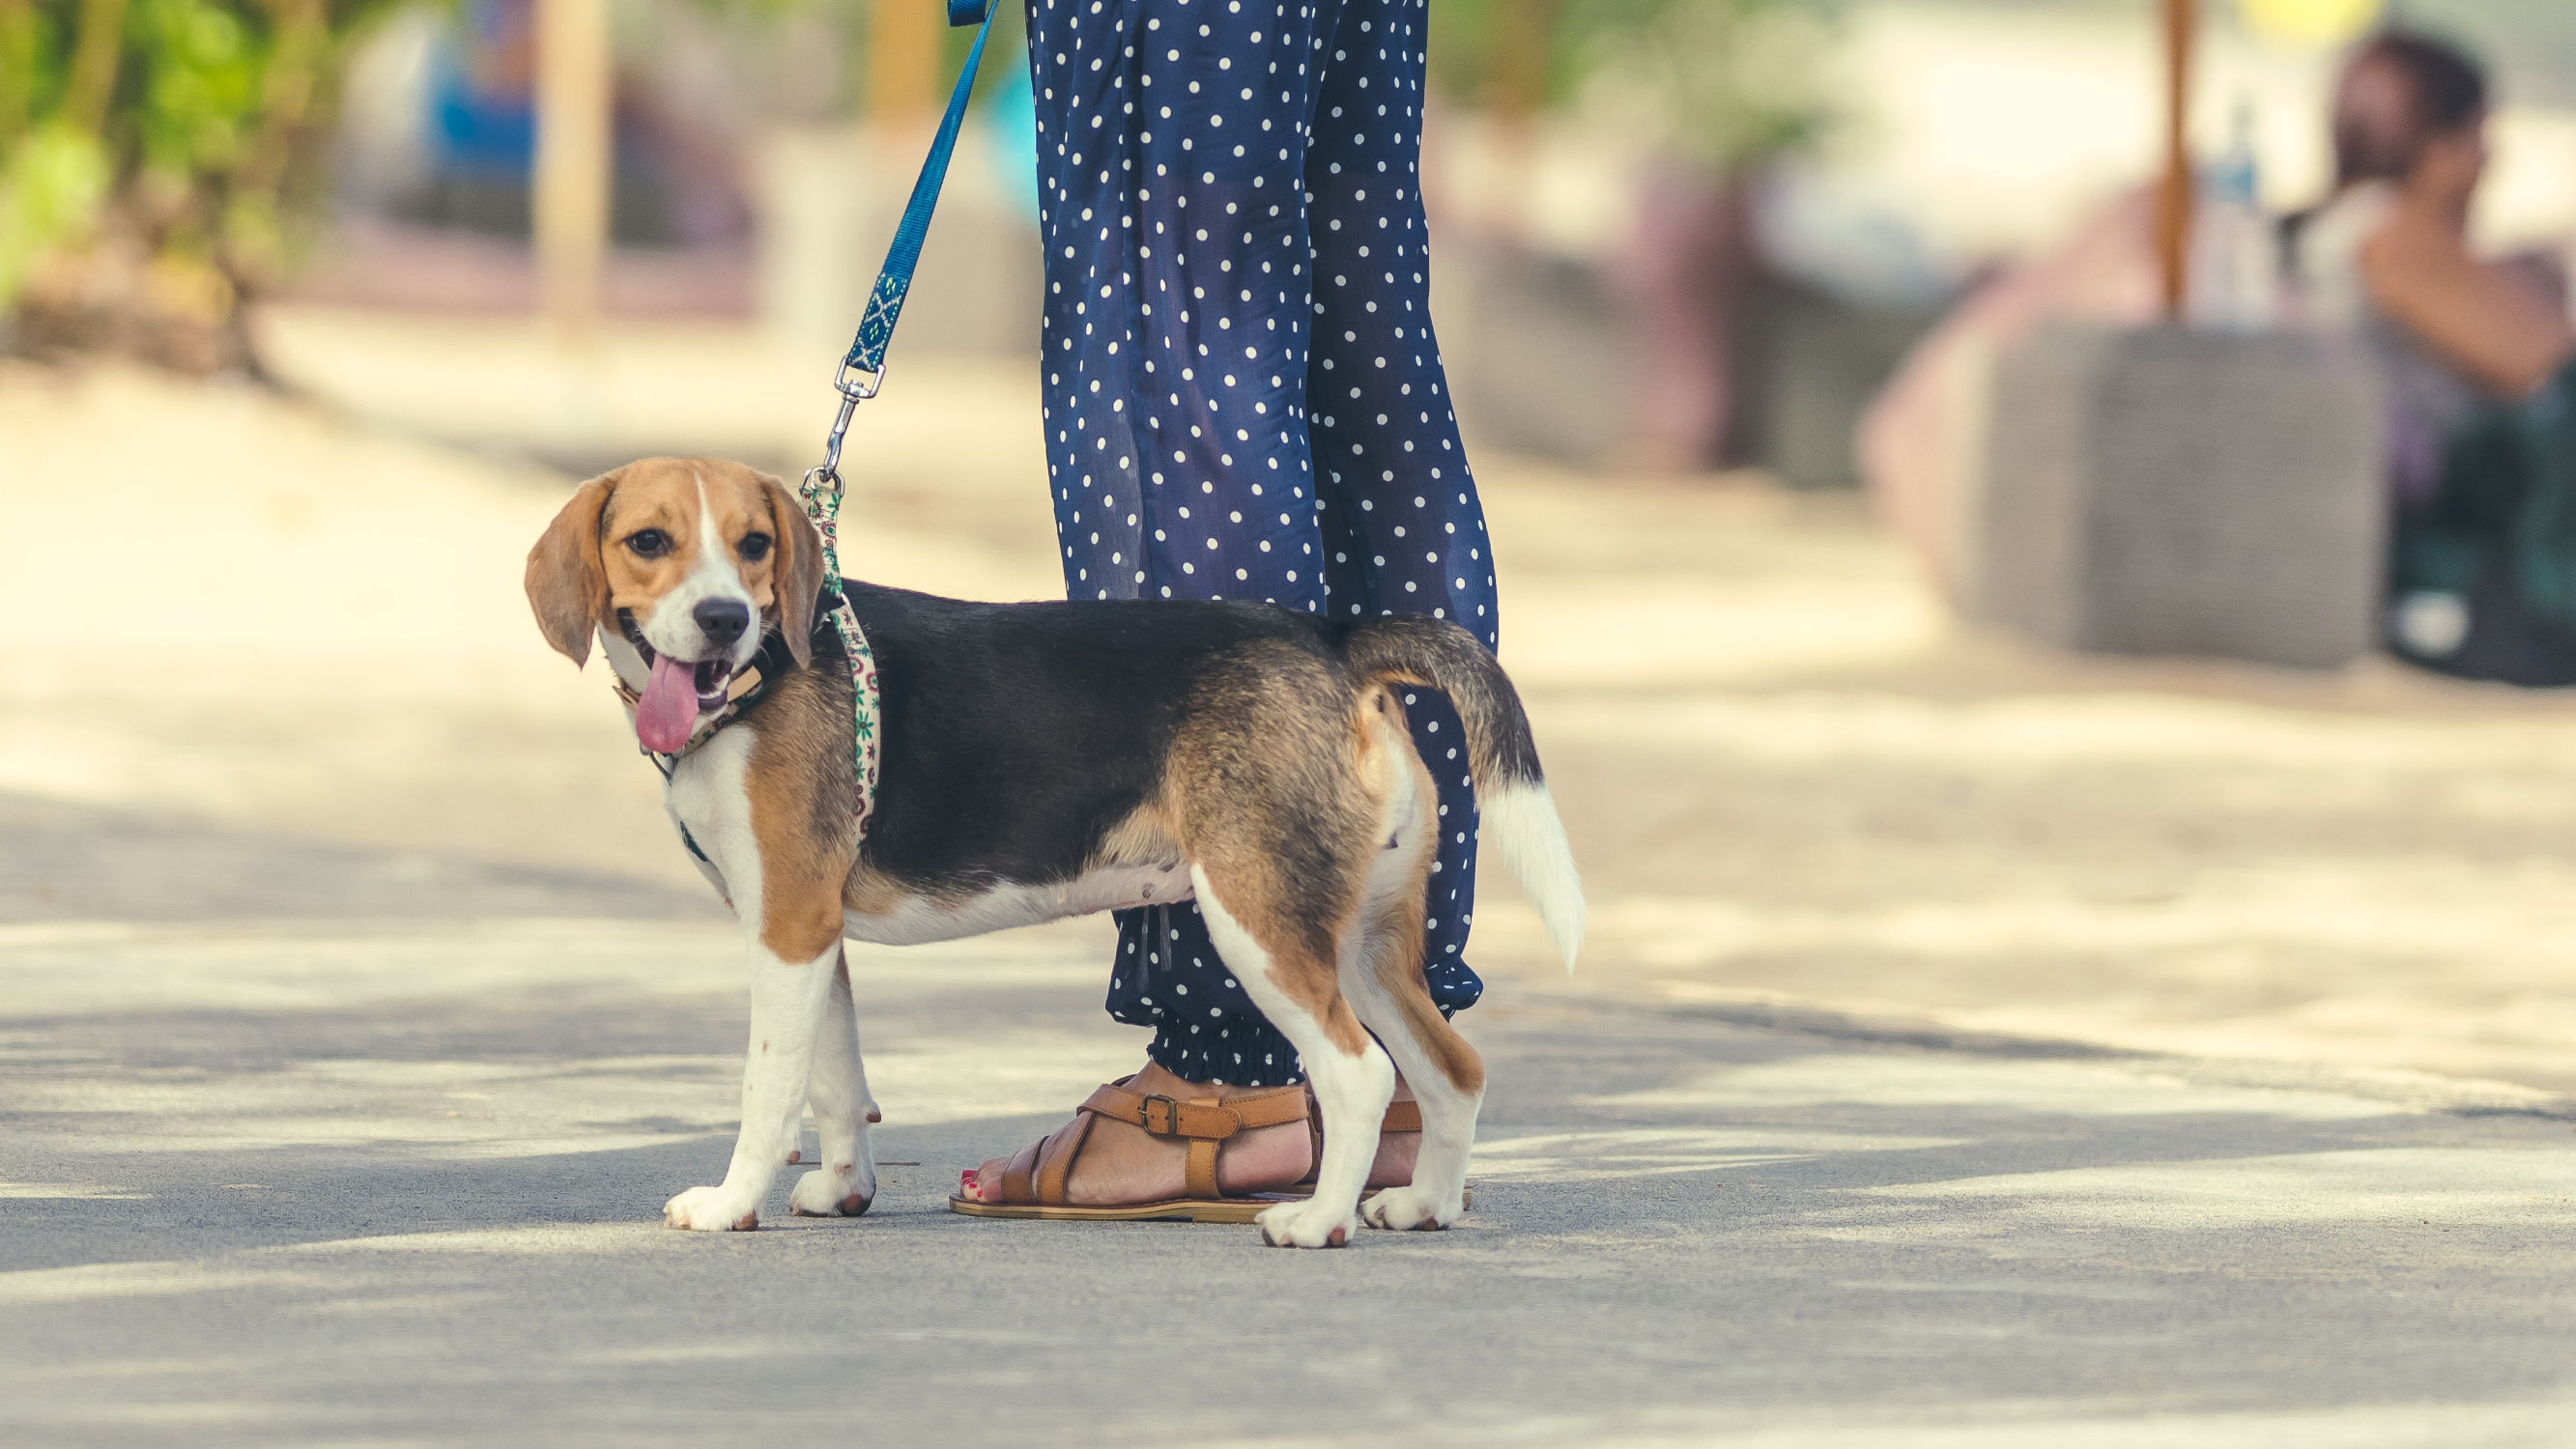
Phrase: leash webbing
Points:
(862, 369)
(894, 279)
(860, 375)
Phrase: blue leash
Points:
(857, 379)
(862, 370)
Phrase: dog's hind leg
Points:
(1293, 982)
(847, 1181)
(1276, 815)
(1384, 984)
(1447, 1077)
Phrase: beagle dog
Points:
(1038, 761)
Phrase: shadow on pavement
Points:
(439, 1218)
(300, 1142)
(66, 862)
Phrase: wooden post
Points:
(17, 68)
(2174, 195)
(1523, 46)
(570, 200)
(903, 62)
(1515, 93)
(92, 81)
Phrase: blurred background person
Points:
(2474, 354)
(2471, 352)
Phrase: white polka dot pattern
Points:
(1243, 395)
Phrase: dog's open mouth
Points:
(678, 690)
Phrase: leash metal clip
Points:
(850, 382)
(855, 387)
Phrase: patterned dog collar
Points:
(835, 624)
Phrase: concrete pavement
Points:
(1783, 773)
(371, 1153)
(357, 1011)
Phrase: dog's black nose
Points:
(722, 620)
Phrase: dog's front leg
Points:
(790, 909)
(847, 1181)
(787, 1007)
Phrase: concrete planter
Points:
(2167, 491)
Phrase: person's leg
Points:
(1404, 531)
(1171, 144)
(1175, 342)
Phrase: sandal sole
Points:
(1466, 1195)
(1174, 1210)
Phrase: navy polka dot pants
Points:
(1243, 398)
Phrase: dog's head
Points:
(687, 561)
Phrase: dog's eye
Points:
(755, 547)
(649, 542)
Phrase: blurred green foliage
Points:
(184, 132)
(1729, 83)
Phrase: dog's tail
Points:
(1511, 791)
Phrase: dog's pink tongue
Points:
(669, 708)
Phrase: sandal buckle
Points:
(1171, 1116)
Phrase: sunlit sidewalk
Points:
(294, 1176)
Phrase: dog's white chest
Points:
(998, 908)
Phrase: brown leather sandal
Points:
(1033, 1185)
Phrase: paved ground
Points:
(370, 1152)
(357, 1011)
(1785, 773)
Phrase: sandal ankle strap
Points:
(1204, 1118)
(1204, 1121)
(1404, 1116)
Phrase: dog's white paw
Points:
(710, 1210)
(839, 1191)
(1308, 1224)
(1409, 1208)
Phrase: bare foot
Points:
(1122, 1163)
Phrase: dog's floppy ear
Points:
(799, 573)
(566, 583)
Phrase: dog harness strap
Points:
(832, 612)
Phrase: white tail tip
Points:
(1520, 821)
